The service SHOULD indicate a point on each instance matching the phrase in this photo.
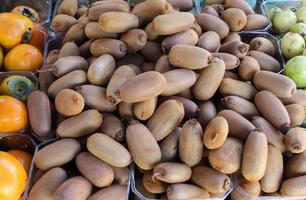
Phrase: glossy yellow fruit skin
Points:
(14, 29)
(23, 157)
(13, 177)
(23, 57)
(1, 56)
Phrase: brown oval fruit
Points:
(215, 133)
(145, 109)
(172, 172)
(235, 18)
(166, 118)
(80, 125)
(135, 39)
(296, 113)
(186, 191)
(262, 44)
(112, 192)
(142, 145)
(248, 68)
(114, 47)
(207, 112)
(142, 87)
(236, 48)
(169, 146)
(189, 57)
(265, 61)
(227, 158)
(272, 109)
(113, 127)
(191, 143)
(212, 23)
(233, 87)
(294, 186)
(63, 22)
(57, 154)
(69, 103)
(108, 150)
(70, 189)
(95, 170)
(256, 22)
(118, 22)
(280, 85)
(93, 31)
(209, 80)
(295, 140)
(255, 156)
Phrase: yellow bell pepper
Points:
(14, 29)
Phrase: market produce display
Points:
(153, 98)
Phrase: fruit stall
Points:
(152, 99)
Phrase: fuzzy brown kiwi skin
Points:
(262, 44)
(248, 68)
(210, 10)
(295, 140)
(236, 48)
(212, 23)
(235, 18)
(272, 109)
(231, 61)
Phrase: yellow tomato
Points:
(1, 56)
(23, 57)
(14, 28)
(23, 157)
(13, 177)
(13, 115)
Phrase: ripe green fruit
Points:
(301, 14)
(284, 20)
(273, 12)
(296, 70)
(292, 44)
(299, 28)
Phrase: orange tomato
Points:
(13, 115)
(13, 177)
(23, 157)
(23, 57)
(14, 28)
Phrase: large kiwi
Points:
(206, 113)
(154, 186)
(135, 39)
(255, 156)
(209, 80)
(162, 65)
(152, 51)
(227, 158)
(274, 136)
(112, 192)
(95, 10)
(265, 61)
(294, 186)
(271, 181)
(295, 140)
(114, 47)
(145, 109)
(240, 105)
(296, 165)
(235, 18)
(248, 68)
(75, 34)
(239, 127)
(299, 97)
(63, 22)
(210, 41)
(69, 49)
(118, 22)
(212, 23)
(69, 103)
(191, 143)
(94, 31)
(242, 89)
(166, 118)
(108, 150)
(172, 172)
(245, 189)
(57, 153)
(172, 23)
(169, 146)
(178, 80)
(241, 4)
(95, 170)
(120, 75)
(70, 189)
(45, 187)
(186, 37)
(186, 191)
(236, 48)
(272, 109)
(280, 85)
(143, 146)
(113, 127)
(210, 179)
(39, 112)
(142, 87)
(68, 7)
(231, 61)
(256, 22)
(262, 44)
(296, 113)
(215, 133)
(189, 57)
(95, 97)
(80, 125)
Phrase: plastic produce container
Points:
(43, 7)
(22, 142)
(246, 36)
(29, 75)
(139, 196)
(69, 167)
